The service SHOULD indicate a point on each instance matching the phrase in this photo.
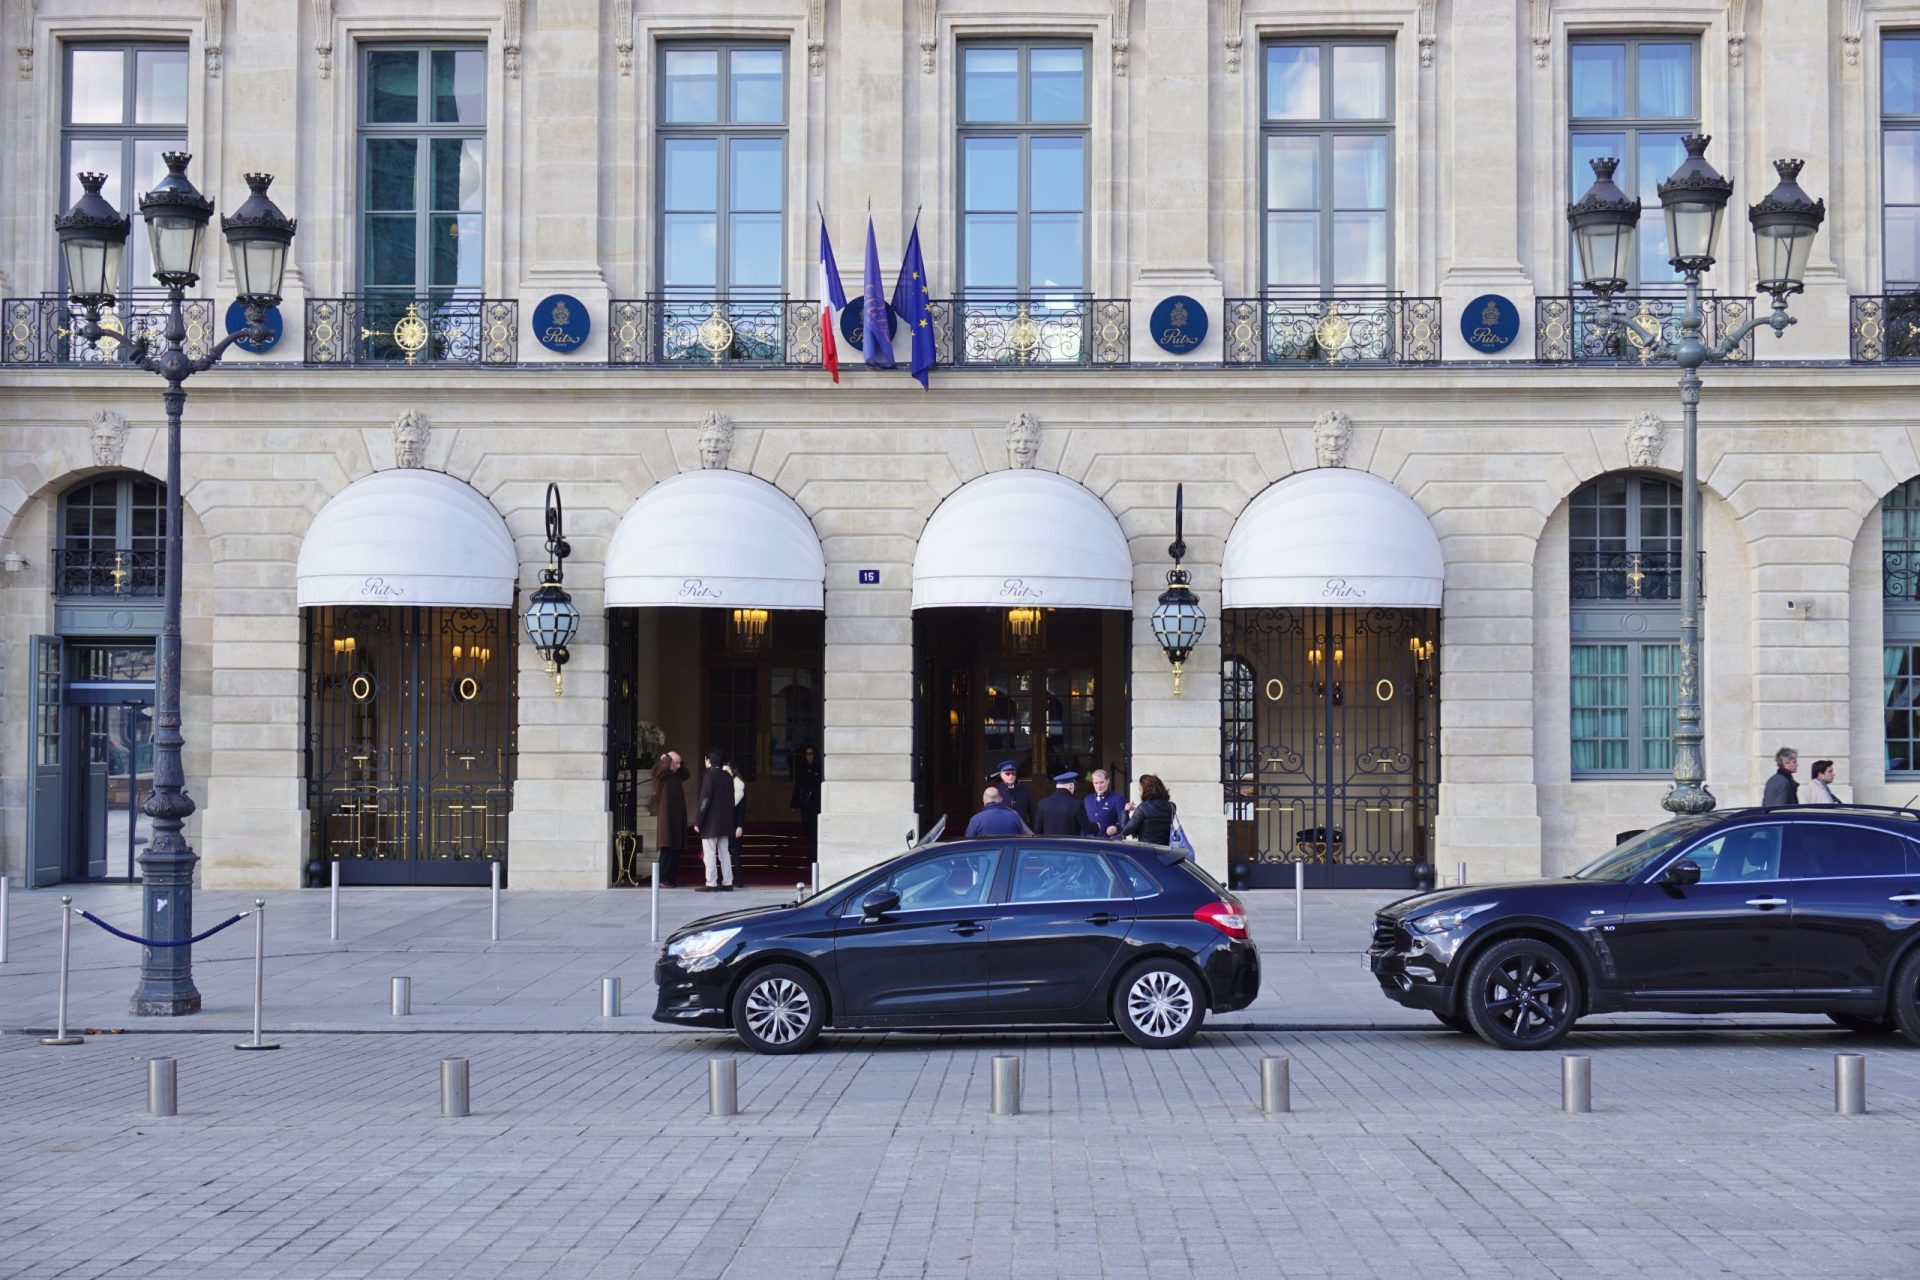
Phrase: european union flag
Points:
(876, 340)
(912, 303)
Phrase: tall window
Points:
(1634, 99)
(1023, 168)
(124, 105)
(722, 165)
(112, 531)
(423, 162)
(1900, 159)
(1900, 591)
(1327, 133)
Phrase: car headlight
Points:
(701, 950)
(1448, 921)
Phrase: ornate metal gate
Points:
(1330, 736)
(410, 742)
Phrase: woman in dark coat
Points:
(1151, 821)
(806, 797)
(669, 814)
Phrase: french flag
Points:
(833, 300)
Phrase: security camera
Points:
(1800, 608)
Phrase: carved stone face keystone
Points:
(1646, 435)
(716, 441)
(108, 437)
(1023, 440)
(410, 432)
(1332, 438)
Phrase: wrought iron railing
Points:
(46, 330)
(1331, 329)
(1900, 569)
(1050, 330)
(1884, 327)
(385, 329)
(107, 572)
(1628, 575)
(685, 329)
(1581, 330)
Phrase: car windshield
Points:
(1630, 859)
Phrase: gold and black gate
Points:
(1330, 745)
(409, 742)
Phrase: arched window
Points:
(1624, 589)
(113, 533)
(1900, 603)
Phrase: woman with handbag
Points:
(1151, 821)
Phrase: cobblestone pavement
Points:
(1409, 1154)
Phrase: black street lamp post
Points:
(1694, 201)
(93, 240)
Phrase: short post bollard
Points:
(1463, 875)
(402, 997)
(1006, 1086)
(1849, 1084)
(163, 1095)
(816, 889)
(454, 1101)
(6, 919)
(259, 973)
(609, 997)
(333, 904)
(1299, 900)
(60, 1035)
(1576, 1084)
(723, 1088)
(653, 906)
(1276, 1086)
(493, 929)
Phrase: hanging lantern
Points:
(749, 631)
(1178, 620)
(551, 618)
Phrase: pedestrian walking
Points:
(1151, 821)
(739, 816)
(806, 797)
(1012, 793)
(1060, 814)
(1105, 809)
(1820, 786)
(1782, 789)
(714, 822)
(996, 817)
(669, 815)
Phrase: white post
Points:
(653, 906)
(333, 905)
(495, 927)
(259, 973)
(1299, 899)
(816, 889)
(6, 918)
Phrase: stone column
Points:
(867, 708)
(256, 95)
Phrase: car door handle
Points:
(1102, 917)
(967, 928)
(1766, 904)
(1905, 899)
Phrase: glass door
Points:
(109, 725)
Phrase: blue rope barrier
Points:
(149, 942)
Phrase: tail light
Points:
(1228, 917)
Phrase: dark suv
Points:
(1805, 910)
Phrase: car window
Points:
(956, 880)
(1627, 860)
(1744, 853)
(1138, 881)
(1061, 875)
(1825, 849)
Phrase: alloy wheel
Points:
(1160, 1003)
(1526, 995)
(778, 1011)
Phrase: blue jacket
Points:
(1105, 811)
(996, 820)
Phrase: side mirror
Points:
(1682, 873)
(878, 903)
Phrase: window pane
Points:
(1293, 172)
(691, 173)
(1744, 854)
(1293, 249)
(1293, 82)
(1599, 80)
(160, 86)
(992, 84)
(1056, 258)
(1900, 76)
(755, 79)
(692, 79)
(1666, 80)
(96, 155)
(1360, 248)
(754, 251)
(992, 254)
(390, 172)
(1900, 167)
(1059, 80)
(1359, 173)
(1588, 147)
(1060, 875)
(1903, 246)
(1360, 82)
(1660, 155)
(689, 250)
(99, 86)
(459, 86)
(390, 250)
(456, 251)
(1824, 850)
(456, 174)
(393, 86)
(148, 169)
(1057, 171)
(755, 180)
(993, 174)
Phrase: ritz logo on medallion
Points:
(561, 322)
(1178, 324)
(1490, 323)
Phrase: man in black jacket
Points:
(1783, 788)
(1012, 794)
(716, 823)
(1060, 814)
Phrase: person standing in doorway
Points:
(1105, 810)
(806, 798)
(1782, 789)
(739, 817)
(669, 815)
(1151, 821)
(1820, 786)
(1012, 794)
(1060, 814)
(995, 817)
(714, 822)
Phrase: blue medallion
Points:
(1179, 324)
(853, 323)
(237, 320)
(561, 322)
(1490, 323)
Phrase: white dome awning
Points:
(1333, 537)
(719, 539)
(408, 537)
(1023, 538)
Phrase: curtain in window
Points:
(1599, 711)
(1659, 667)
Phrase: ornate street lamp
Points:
(1694, 201)
(93, 239)
(1178, 620)
(551, 619)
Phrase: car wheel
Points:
(1454, 1022)
(1522, 994)
(1863, 1023)
(779, 1009)
(1157, 1004)
(1906, 997)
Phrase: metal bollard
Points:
(1849, 1084)
(494, 928)
(723, 1088)
(402, 997)
(163, 1094)
(816, 890)
(1576, 1084)
(6, 918)
(609, 997)
(60, 1035)
(333, 905)
(1463, 874)
(259, 973)
(1299, 900)
(453, 1088)
(1276, 1086)
(1006, 1086)
(653, 906)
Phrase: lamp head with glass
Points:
(177, 216)
(1603, 222)
(93, 240)
(1784, 225)
(1694, 201)
(258, 236)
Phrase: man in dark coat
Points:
(1060, 814)
(995, 818)
(1106, 809)
(1012, 794)
(669, 814)
(1783, 788)
(715, 822)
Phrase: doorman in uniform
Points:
(1060, 814)
(995, 818)
(1012, 794)
(1105, 810)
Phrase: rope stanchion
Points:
(228, 923)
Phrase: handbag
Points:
(1178, 840)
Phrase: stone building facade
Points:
(1475, 115)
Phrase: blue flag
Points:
(913, 304)
(876, 343)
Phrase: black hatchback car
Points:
(1805, 910)
(974, 933)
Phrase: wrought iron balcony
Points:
(1651, 576)
(684, 329)
(1579, 330)
(46, 330)
(1900, 570)
(1884, 328)
(1307, 329)
(108, 573)
(1053, 330)
(389, 328)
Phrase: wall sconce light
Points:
(1025, 625)
(551, 618)
(13, 562)
(1178, 620)
(749, 634)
